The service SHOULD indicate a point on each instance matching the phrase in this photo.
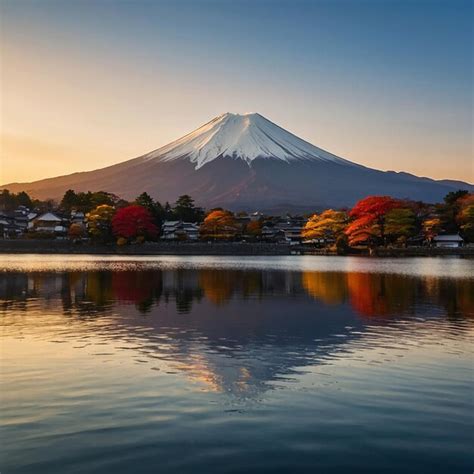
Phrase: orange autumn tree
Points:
(219, 224)
(254, 229)
(369, 220)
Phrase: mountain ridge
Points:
(244, 162)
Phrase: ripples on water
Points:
(298, 364)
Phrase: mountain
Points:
(245, 162)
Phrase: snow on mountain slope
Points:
(247, 137)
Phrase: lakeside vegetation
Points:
(375, 221)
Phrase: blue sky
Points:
(385, 83)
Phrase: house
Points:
(31, 217)
(272, 234)
(448, 241)
(77, 217)
(179, 230)
(291, 230)
(49, 223)
(7, 226)
(20, 217)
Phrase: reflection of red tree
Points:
(134, 287)
(367, 294)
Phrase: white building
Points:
(448, 241)
(49, 222)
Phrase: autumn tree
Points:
(465, 217)
(448, 211)
(328, 225)
(400, 224)
(219, 224)
(431, 228)
(134, 222)
(76, 231)
(369, 216)
(254, 228)
(99, 223)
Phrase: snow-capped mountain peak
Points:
(241, 136)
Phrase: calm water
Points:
(227, 365)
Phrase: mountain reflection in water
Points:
(227, 365)
(236, 331)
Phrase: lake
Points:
(236, 364)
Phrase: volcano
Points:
(245, 162)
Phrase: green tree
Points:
(400, 224)
(99, 198)
(24, 200)
(185, 210)
(146, 201)
(10, 201)
(70, 200)
(168, 212)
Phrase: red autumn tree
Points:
(134, 221)
(368, 216)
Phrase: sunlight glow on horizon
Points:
(85, 85)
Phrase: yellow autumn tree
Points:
(99, 222)
(328, 225)
(431, 228)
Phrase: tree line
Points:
(383, 220)
(373, 221)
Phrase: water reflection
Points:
(154, 367)
(369, 294)
(243, 330)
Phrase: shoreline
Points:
(215, 248)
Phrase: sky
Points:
(89, 83)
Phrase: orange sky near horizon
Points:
(68, 105)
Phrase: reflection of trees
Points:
(455, 296)
(329, 287)
(247, 347)
(218, 286)
(369, 294)
(379, 294)
(98, 287)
